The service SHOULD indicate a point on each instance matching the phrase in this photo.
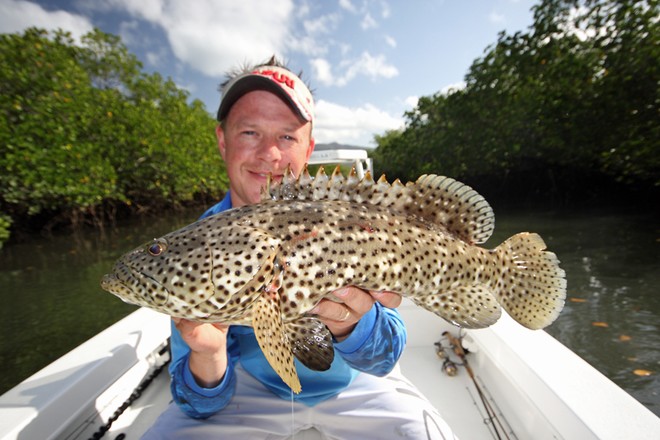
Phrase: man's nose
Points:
(269, 150)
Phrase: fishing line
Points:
(293, 426)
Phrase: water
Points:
(52, 300)
(612, 313)
(49, 288)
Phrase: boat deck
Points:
(537, 387)
(455, 397)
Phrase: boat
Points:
(501, 382)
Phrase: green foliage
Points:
(5, 223)
(82, 127)
(576, 96)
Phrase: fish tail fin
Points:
(531, 286)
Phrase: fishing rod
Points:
(447, 366)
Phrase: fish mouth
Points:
(109, 282)
(134, 286)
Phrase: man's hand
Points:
(208, 350)
(342, 317)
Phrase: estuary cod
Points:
(267, 265)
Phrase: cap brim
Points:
(250, 84)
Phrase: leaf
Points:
(600, 324)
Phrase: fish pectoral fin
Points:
(311, 343)
(269, 331)
(471, 306)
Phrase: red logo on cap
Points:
(277, 76)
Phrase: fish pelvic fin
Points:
(311, 343)
(433, 199)
(531, 286)
(468, 306)
(270, 332)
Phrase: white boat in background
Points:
(526, 384)
(336, 154)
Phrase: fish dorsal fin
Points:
(319, 187)
(434, 199)
(448, 202)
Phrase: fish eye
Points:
(157, 248)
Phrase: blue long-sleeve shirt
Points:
(373, 347)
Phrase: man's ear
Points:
(220, 135)
(312, 143)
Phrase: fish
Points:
(268, 264)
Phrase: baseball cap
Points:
(275, 79)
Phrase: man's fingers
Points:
(390, 300)
(355, 299)
(334, 311)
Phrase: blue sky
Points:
(368, 61)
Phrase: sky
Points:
(367, 61)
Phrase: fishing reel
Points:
(452, 351)
(449, 366)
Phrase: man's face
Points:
(261, 135)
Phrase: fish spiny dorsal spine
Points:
(437, 200)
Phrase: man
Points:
(221, 382)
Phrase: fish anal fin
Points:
(311, 343)
(471, 306)
(531, 286)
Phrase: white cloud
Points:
(155, 59)
(129, 32)
(411, 101)
(315, 30)
(496, 18)
(371, 66)
(17, 15)
(322, 70)
(321, 25)
(346, 4)
(189, 87)
(354, 126)
(213, 36)
(366, 65)
(368, 22)
(385, 10)
(451, 88)
(390, 41)
(303, 9)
